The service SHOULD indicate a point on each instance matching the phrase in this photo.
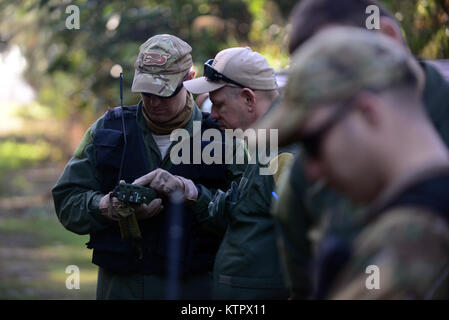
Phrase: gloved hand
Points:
(109, 205)
(165, 183)
(144, 211)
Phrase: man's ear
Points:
(369, 105)
(191, 75)
(249, 97)
(389, 27)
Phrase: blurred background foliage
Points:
(73, 70)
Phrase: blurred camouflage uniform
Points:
(303, 214)
(303, 209)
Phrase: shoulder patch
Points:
(278, 164)
(87, 139)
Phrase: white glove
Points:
(110, 204)
(165, 183)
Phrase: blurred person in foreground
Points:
(307, 213)
(354, 102)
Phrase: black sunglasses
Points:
(312, 142)
(213, 75)
(178, 89)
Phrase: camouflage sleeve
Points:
(402, 255)
(76, 194)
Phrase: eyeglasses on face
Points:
(312, 142)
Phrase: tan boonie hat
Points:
(242, 65)
(334, 66)
(162, 63)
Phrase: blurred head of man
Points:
(163, 63)
(241, 86)
(353, 99)
(311, 16)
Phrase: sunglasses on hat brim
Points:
(213, 75)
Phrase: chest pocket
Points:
(245, 184)
(108, 148)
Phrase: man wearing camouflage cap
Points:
(242, 88)
(307, 210)
(133, 144)
(353, 100)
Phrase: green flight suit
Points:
(247, 265)
(76, 196)
(305, 212)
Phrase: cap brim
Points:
(162, 85)
(286, 120)
(202, 85)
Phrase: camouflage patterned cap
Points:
(162, 63)
(334, 66)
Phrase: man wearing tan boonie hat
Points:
(354, 101)
(132, 143)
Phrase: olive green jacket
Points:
(77, 196)
(247, 264)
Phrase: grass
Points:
(17, 155)
(35, 249)
(35, 252)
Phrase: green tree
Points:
(72, 69)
